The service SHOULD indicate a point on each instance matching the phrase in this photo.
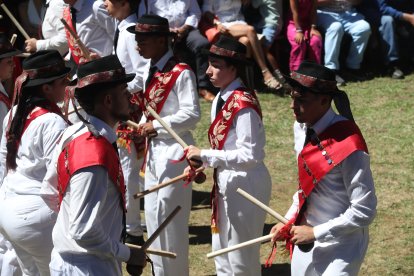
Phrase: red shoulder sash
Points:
(75, 51)
(5, 100)
(85, 151)
(160, 87)
(239, 99)
(325, 152)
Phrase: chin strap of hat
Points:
(90, 127)
(343, 105)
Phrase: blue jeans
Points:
(335, 24)
(388, 39)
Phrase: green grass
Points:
(383, 108)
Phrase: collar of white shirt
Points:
(226, 92)
(132, 19)
(323, 122)
(161, 63)
(3, 90)
(103, 128)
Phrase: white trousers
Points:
(239, 220)
(134, 183)
(9, 266)
(28, 225)
(160, 204)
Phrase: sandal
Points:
(273, 83)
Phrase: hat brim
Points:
(10, 54)
(131, 29)
(125, 79)
(36, 82)
(206, 52)
(295, 84)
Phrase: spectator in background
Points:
(31, 13)
(183, 16)
(403, 13)
(382, 27)
(303, 36)
(337, 17)
(227, 16)
(267, 22)
(52, 34)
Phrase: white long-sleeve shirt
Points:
(178, 12)
(34, 155)
(225, 10)
(340, 207)
(181, 110)
(94, 26)
(53, 30)
(128, 54)
(90, 217)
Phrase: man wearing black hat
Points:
(90, 227)
(237, 140)
(30, 134)
(170, 89)
(335, 202)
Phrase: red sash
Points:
(85, 151)
(157, 93)
(5, 100)
(325, 152)
(218, 131)
(160, 87)
(75, 51)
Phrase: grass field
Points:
(383, 108)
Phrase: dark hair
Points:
(30, 98)
(240, 68)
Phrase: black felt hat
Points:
(43, 67)
(314, 77)
(150, 24)
(228, 48)
(6, 49)
(107, 69)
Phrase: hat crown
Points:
(231, 44)
(101, 65)
(42, 59)
(150, 23)
(5, 45)
(316, 71)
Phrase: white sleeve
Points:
(250, 144)
(103, 19)
(3, 149)
(88, 191)
(357, 178)
(188, 112)
(138, 63)
(194, 14)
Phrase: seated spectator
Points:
(52, 33)
(382, 27)
(403, 13)
(267, 21)
(337, 17)
(228, 18)
(183, 16)
(304, 38)
(31, 13)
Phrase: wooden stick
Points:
(13, 39)
(157, 232)
(254, 200)
(152, 251)
(14, 20)
(82, 46)
(164, 184)
(239, 246)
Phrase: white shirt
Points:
(181, 110)
(178, 12)
(95, 28)
(225, 10)
(52, 28)
(343, 203)
(128, 54)
(90, 216)
(34, 154)
(244, 146)
(3, 108)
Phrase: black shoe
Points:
(339, 80)
(136, 240)
(397, 73)
(354, 75)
